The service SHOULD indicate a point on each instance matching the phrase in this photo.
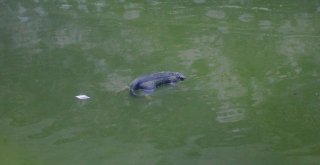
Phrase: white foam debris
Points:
(82, 97)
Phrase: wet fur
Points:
(148, 83)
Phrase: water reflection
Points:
(69, 34)
(217, 14)
(230, 115)
(116, 82)
(41, 11)
(246, 17)
(265, 25)
(199, 1)
(65, 6)
(132, 11)
(82, 6)
(100, 6)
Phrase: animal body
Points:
(146, 84)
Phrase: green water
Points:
(252, 94)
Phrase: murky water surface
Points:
(252, 94)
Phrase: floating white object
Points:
(82, 97)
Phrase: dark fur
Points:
(148, 83)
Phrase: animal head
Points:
(180, 76)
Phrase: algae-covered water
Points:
(251, 96)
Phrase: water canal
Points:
(251, 96)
